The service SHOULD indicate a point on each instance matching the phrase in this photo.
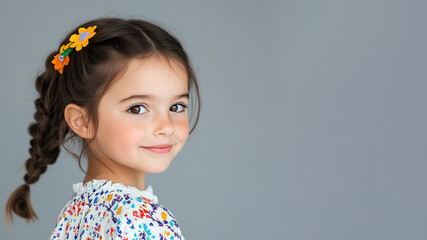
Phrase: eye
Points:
(136, 109)
(183, 107)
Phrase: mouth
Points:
(161, 149)
(160, 146)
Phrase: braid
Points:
(45, 142)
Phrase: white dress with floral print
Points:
(100, 209)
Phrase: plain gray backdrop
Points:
(313, 122)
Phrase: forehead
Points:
(157, 76)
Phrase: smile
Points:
(159, 150)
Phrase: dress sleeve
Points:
(149, 222)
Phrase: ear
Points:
(77, 119)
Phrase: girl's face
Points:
(144, 107)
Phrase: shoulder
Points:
(115, 212)
(143, 218)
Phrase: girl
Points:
(121, 87)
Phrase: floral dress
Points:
(100, 209)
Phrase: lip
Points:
(161, 149)
(159, 146)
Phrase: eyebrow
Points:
(150, 97)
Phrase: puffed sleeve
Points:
(148, 220)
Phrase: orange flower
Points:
(60, 62)
(82, 39)
(109, 198)
(77, 41)
(164, 215)
(119, 210)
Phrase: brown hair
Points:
(84, 81)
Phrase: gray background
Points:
(313, 123)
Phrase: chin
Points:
(157, 169)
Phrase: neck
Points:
(104, 169)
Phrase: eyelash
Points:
(141, 105)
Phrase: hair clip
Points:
(77, 41)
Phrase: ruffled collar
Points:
(108, 185)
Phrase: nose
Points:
(164, 125)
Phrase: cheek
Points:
(119, 134)
(182, 129)
(129, 131)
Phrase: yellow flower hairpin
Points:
(77, 41)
